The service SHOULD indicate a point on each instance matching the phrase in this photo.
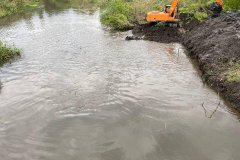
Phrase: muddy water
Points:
(83, 92)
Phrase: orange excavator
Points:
(170, 13)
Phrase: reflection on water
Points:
(53, 7)
(80, 92)
(89, 6)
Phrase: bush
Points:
(117, 21)
(8, 7)
(116, 14)
(200, 16)
(7, 53)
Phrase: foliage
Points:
(200, 15)
(8, 7)
(116, 14)
(7, 53)
(117, 21)
(232, 4)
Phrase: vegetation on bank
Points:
(116, 14)
(7, 53)
(8, 7)
(122, 14)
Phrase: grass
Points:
(233, 74)
(29, 5)
(8, 7)
(8, 53)
(116, 14)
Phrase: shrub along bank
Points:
(7, 53)
(8, 7)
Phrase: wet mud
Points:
(157, 33)
(215, 45)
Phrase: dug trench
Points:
(213, 44)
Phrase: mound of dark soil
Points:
(215, 44)
(157, 33)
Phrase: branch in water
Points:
(214, 111)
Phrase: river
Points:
(81, 92)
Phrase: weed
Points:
(116, 14)
(7, 53)
(8, 7)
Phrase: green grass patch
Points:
(117, 21)
(200, 16)
(8, 7)
(233, 74)
(29, 5)
(116, 14)
(8, 53)
(231, 5)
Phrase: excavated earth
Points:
(213, 44)
(157, 33)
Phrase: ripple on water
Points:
(86, 92)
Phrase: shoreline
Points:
(214, 47)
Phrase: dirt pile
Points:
(215, 45)
(157, 33)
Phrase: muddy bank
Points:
(157, 33)
(214, 44)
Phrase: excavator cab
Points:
(168, 15)
(167, 8)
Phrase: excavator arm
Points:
(173, 6)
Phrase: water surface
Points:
(82, 92)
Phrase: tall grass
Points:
(232, 4)
(7, 53)
(8, 7)
(116, 14)
(122, 14)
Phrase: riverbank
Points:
(213, 44)
(8, 7)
